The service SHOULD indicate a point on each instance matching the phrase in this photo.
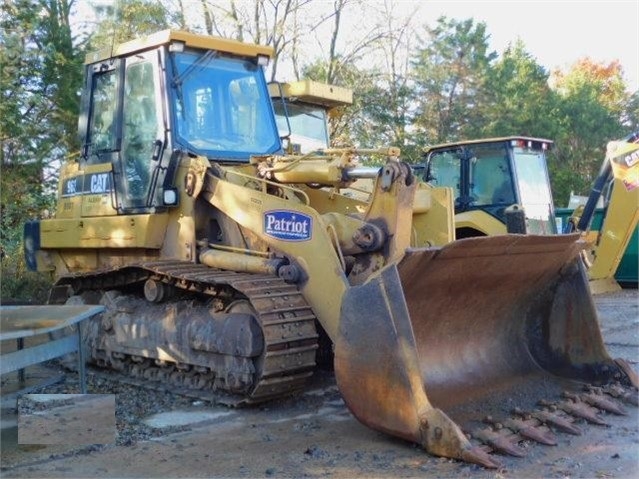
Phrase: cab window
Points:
(102, 130)
(445, 168)
(139, 130)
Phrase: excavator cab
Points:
(489, 176)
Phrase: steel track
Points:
(286, 319)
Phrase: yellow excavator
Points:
(618, 183)
(502, 185)
(223, 261)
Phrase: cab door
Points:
(143, 136)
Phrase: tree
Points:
(592, 109)
(40, 81)
(387, 103)
(277, 23)
(631, 113)
(40, 78)
(449, 71)
(130, 19)
(379, 115)
(517, 98)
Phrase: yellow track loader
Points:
(224, 262)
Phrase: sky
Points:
(556, 33)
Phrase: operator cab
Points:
(302, 110)
(491, 175)
(148, 102)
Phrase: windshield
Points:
(221, 106)
(308, 125)
(534, 190)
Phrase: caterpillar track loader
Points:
(502, 184)
(224, 263)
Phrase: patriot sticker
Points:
(288, 225)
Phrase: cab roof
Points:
(525, 139)
(194, 40)
(315, 93)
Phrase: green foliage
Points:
(590, 108)
(40, 78)
(631, 113)
(457, 89)
(129, 19)
(17, 284)
(451, 87)
(449, 71)
(518, 99)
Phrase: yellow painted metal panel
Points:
(164, 37)
(135, 231)
(314, 92)
(68, 206)
(481, 221)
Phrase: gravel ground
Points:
(314, 435)
(132, 405)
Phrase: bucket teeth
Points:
(604, 404)
(498, 442)
(525, 430)
(578, 409)
(617, 391)
(630, 374)
(556, 421)
(531, 432)
(476, 455)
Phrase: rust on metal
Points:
(552, 419)
(498, 442)
(427, 355)
(526, 430)
(628, 371)
(599, 402)
(578, 409)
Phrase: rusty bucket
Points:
(473, 328)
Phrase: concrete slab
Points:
(182, 418)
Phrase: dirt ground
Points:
(314, 435)
(78, 420)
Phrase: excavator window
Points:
(480, 175)
(308, 124)
(534, 189)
